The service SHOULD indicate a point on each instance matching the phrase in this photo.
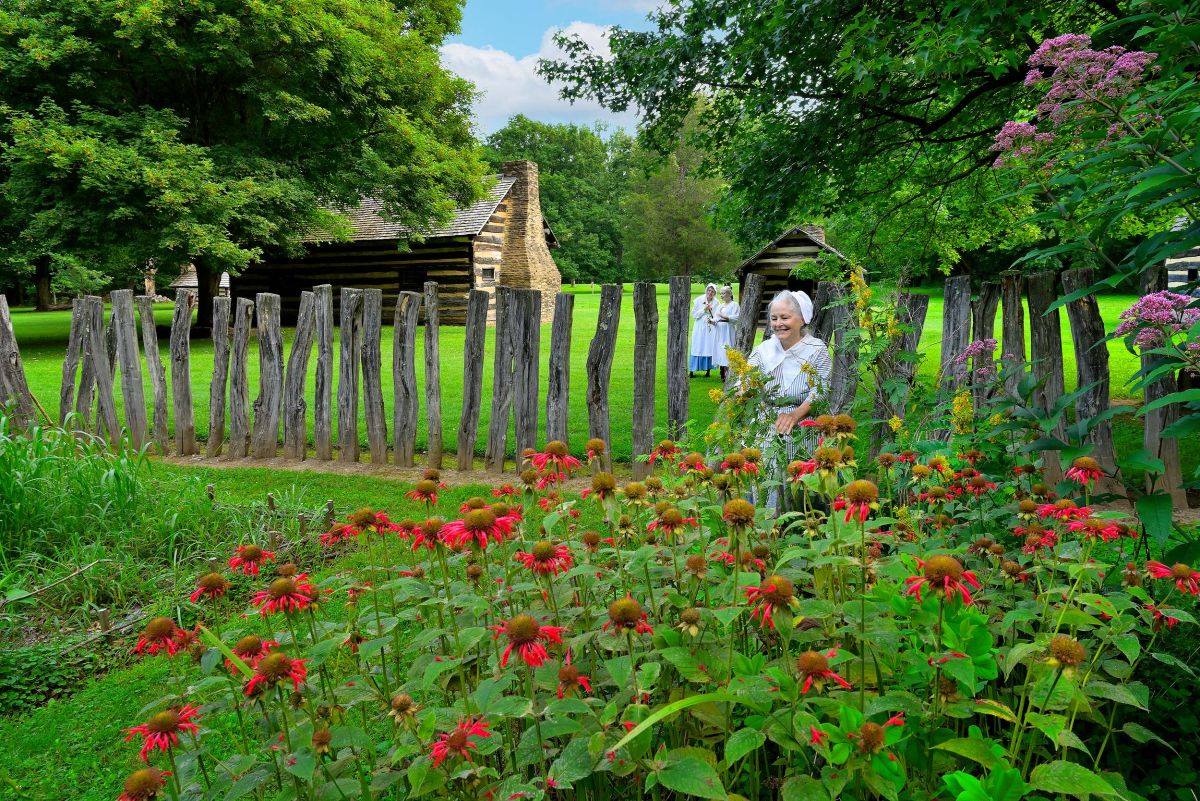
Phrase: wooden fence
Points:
(279, 417)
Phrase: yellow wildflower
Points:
(895, 424)
(714, 395)
(963, 412)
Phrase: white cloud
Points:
(509, 85)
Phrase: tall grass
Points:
(68, 502)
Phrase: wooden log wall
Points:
(678, 388)
(599, 367)
(1045, 338)
(558, 379)
(645, 369)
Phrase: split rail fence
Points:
(279, 416)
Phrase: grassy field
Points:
(42, 337)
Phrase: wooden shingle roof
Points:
(369, 224)
(791, 247)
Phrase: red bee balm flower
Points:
(666, 450)
(1095, 528)
(626, 614)
(527, 637)
(249, 558)
(569, 678)
(427, 534)
(669, 521)
(1084, 471)
(775, 594)
(556, 457)
(211, 586)
(425, 490)
(1063, 509)
(736, 464)
(250, 649)
(813, 667)
(858, 498)
(942, 573)
(1186, 579)
(475, 528)
(286, 595)
(274, 668)
(546, 558)
(144, 785)
(459, 741)
(160, 634)
(162, 731)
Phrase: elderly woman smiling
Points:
(796, 365)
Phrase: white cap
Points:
(806, 305)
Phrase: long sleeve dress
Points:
(727, 316)
(704, 334)
(798, 373)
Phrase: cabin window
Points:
(488, 273)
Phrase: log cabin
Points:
(501, 240)
(777, 259)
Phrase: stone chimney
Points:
(816, 232)
(525, 260)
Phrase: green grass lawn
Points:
(42, 337)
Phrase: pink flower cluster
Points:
(979, 348)
(1077, 72)
(1018, 140)
(1152, 316)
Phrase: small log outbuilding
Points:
(776, 261)
(502, 240)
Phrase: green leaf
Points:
(1140, 734)
(975, 750)
(804, 788)
(1132, 693)
(1155, 512)
(302, 764)
(671, 709)
(741, 743)
(683, 661)
(691, 776)
(1069, 778)
(574, 763)
(1186, 396)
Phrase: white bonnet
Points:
(800, 300)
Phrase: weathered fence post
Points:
(645, 365)
(348, 370)
(1171, 481)
(372, 367)
(132, 393)
(13, 386)
(295, 406)
(96, 354)
(502, 389)
(323, 380)
(222, 310)
(1045, 338)
(599, 368)
(158, 373)
(822, 322)
(558, 380)
(1091, 364)
(983, 311)
(404, 377)
(468, 422)
(956, 329)
(751, 302)
(239, 382)
(526, 350)
(1012, 342)
(898, 370)
(433, 378)
(71, 362)
(843, 381)
(268, 407)
(678, 387)
(181, 373)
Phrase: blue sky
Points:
(502, 40)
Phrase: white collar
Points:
(772, 352)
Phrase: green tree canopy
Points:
(876, 111)
(133, 132)
(582, 186)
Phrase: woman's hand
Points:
(786, 421)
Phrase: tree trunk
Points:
(41, 279)
(208, 285)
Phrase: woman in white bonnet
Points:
(796, 364)
(704, 332)
(726, 314)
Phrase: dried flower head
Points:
(144, 785)
(1067, 651)
(625, 614)
(739, 512)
